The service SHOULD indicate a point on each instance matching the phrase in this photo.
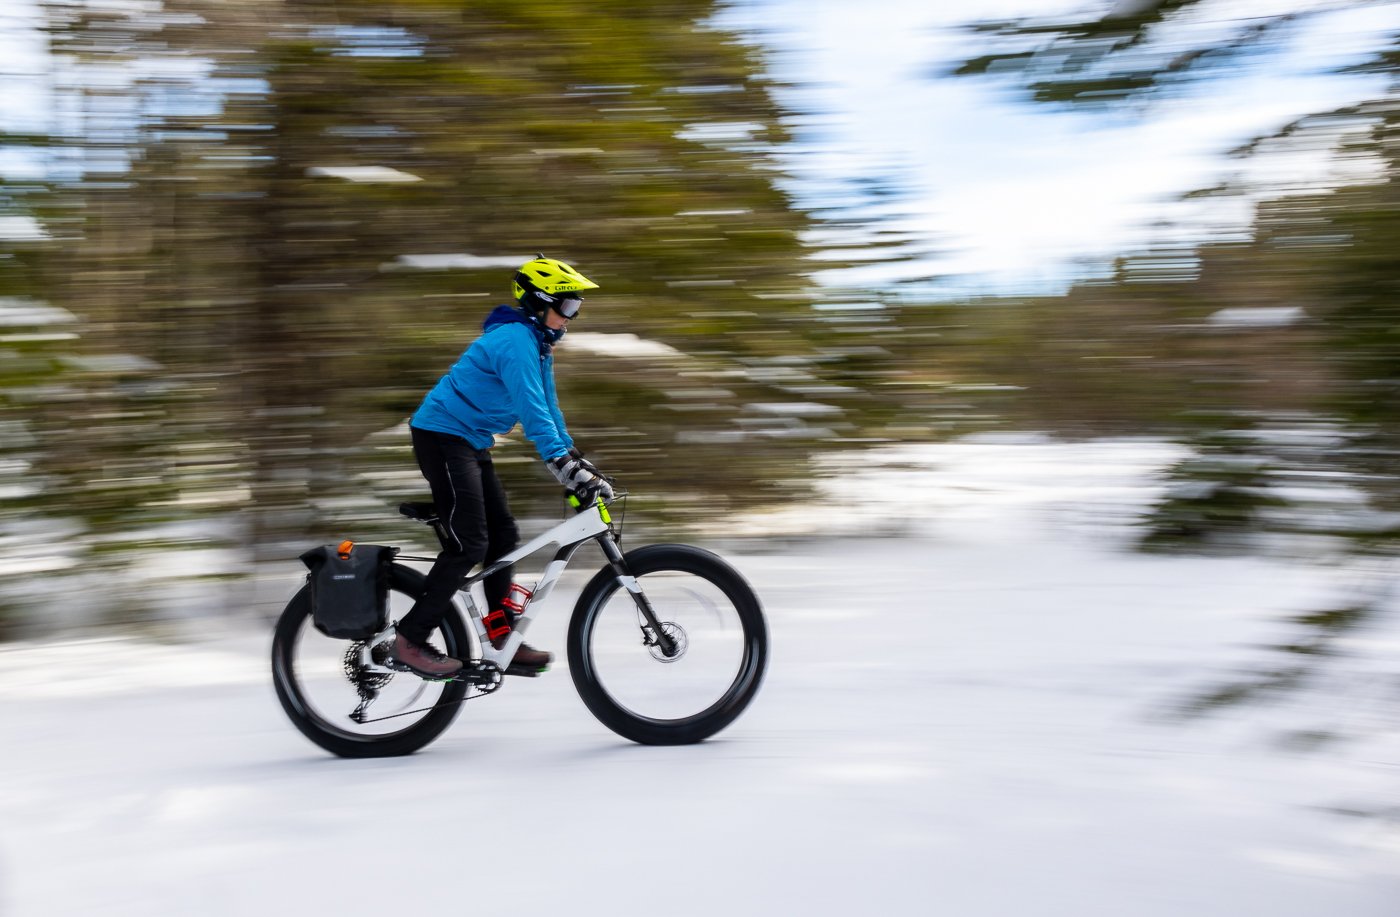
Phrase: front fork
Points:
(653, 634)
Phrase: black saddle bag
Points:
(349, 588)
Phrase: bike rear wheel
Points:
(316, 681)
(715, 620)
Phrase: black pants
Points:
(472, 506)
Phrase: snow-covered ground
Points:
(976, 711)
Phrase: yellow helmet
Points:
(544, 283)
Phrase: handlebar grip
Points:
(579, 506)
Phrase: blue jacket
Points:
(505, 377)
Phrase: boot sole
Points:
(520, 670)
(428, 676)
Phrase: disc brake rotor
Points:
(677, 634)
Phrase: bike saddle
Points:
(422, 512)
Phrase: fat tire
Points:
(343, 742)
(705, 723)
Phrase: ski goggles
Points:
(567, 307)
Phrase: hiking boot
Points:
(527, 659)
(422, 660)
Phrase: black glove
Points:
(577, 456)
(573, 474)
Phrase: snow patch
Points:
(455, 262)
(363, 174)
(626, 345)
(1258, 317)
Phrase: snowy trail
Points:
(975, 725)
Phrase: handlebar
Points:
(579, 506)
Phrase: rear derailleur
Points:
(368, 680)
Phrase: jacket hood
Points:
(505, 315)
(513, 315)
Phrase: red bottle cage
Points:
(514, 604)
(497, 625)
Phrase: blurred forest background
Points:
(260, 229)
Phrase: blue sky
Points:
(1011, 197)
(1000, 196)
(23, 75)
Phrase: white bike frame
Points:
(591, 523)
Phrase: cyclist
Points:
(505, 377)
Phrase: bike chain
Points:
(497, 678)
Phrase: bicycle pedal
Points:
(526, 671)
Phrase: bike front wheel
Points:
(717, 631)
(321, 684)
